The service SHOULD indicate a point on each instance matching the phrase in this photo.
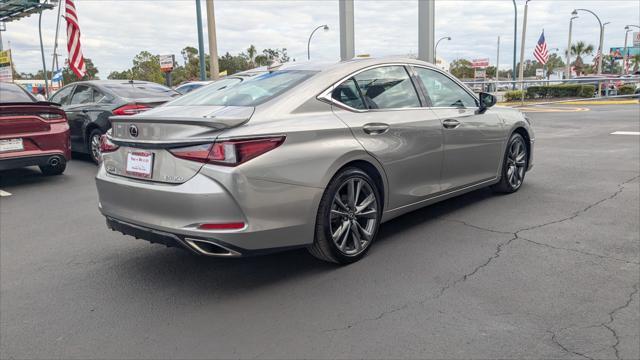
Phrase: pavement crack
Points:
(579, 251)
(378, 317)
(476, 226)
(608, 324)
(555, 340)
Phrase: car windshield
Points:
(12, 93)
(250, 92)
(141, 90)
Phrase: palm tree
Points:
(251, 51)
(578, 50)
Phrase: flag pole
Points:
(54, 63)
(44, 64)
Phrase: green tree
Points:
(555, 62)
(69, 76)
(270, 55)
(461, 68)
(579, 50)
(635, 62)
(251, 53)
(146, 66)
(120, 75)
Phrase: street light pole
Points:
(575, 12)
(325, 27)
(515, 42)
(568, 72)
(435, 49)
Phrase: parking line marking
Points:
(4, 193)
(637, 133)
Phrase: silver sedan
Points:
(306, 155)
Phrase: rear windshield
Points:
(12, 93)
(250, 92)
(141, 90)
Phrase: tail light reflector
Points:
(53, 117)
(130, 109)
(106, 146)
(228, 152)
(224, 226)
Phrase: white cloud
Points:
(115, 31)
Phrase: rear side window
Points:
(141, 90)
(63, 96)
(347, 93)
(14, 93)
(387, 87)
(82, 95)
(250, 92)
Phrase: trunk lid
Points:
(145, 139)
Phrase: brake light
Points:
(228, 152)
(53, 117)
(130, 109)
(106, 146)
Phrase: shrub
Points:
(626, 90)
(560, 91)
(513, 95)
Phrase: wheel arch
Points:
(370, 166)
(527, 138)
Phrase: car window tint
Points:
(82, 95)
(443, 91)
(63, 96)
(387, 87)
(250, 92)
(99, 97)
(14, 93)
(347, 93)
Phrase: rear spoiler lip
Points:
(158, 144)
(214, 122)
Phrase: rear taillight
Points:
(106, 146)
(53, 117)
(130, 109)
(228, 152)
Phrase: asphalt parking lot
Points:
(552, 271)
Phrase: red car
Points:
(32, 133)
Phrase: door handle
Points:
(450, 124)
(375, 128)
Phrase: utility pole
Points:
(426, 30)
(213, 46)
(203, 69)
(515, 42)
(347, 37)
(568, 71)
(524, 34)
(498, 62)
(54, 62)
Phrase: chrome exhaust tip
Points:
(210, 248)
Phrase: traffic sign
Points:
(480, 63)
(166, 63)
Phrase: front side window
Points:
(443, 91)
(63, 96)
(250, 92)
(82, 95)
(387, 87)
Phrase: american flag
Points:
(76, 61)
(541, 53)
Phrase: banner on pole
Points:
(6, 73)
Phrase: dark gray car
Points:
(89, 104)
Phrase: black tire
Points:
(324, 247)
(95, 156)
(54, 170)
(508, 184)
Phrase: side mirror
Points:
(486, 101)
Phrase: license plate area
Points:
(139, 164)
(7, 145)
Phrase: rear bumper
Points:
(17, 162)
(277, 216)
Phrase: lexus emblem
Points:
(133, 130)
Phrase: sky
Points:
(113, 32)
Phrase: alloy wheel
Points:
(354, 216)
(95, 147)
(516, 163)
